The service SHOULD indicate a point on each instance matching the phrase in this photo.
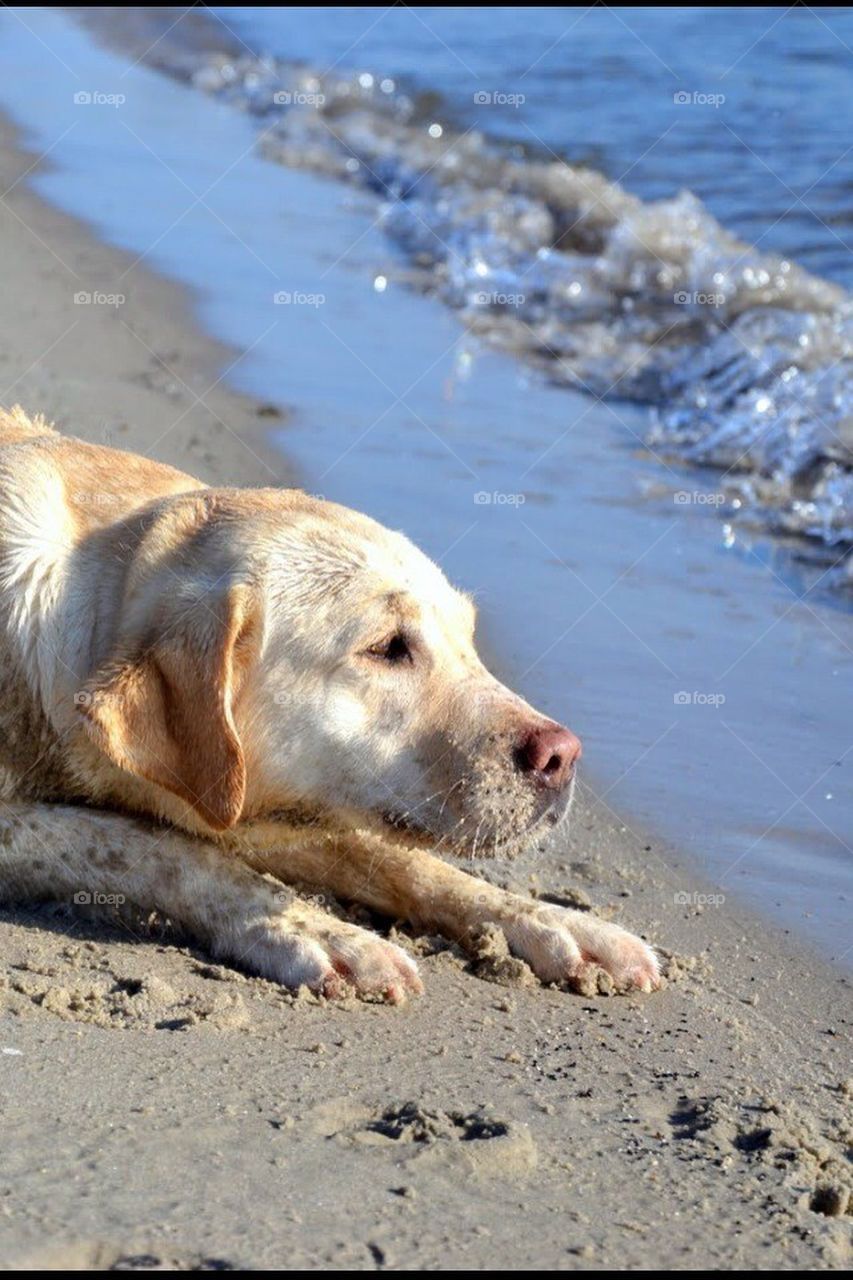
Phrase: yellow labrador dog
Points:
(291, 692)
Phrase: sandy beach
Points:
(162, 1112)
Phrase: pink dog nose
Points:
(549, 753)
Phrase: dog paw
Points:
(367, 964)
(331, 958)
(561, 945)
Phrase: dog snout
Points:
(548, 753)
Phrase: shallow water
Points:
(628, 290)
(709, 682)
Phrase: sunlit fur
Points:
(214, 659)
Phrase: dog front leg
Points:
(60, 852)
(410, 883)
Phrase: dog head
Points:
(277, 652)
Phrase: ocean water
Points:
(705, 660)
(763, 146)
(645, 204)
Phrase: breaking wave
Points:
(743, 357)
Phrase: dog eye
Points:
(395, 649)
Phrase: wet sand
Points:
(160, 1112)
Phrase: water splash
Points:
(744, 358)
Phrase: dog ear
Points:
(164, 712)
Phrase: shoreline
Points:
(206, 361)
(155, 321)
(603, 1100)
(659, 598)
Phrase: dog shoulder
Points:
(59, 495)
